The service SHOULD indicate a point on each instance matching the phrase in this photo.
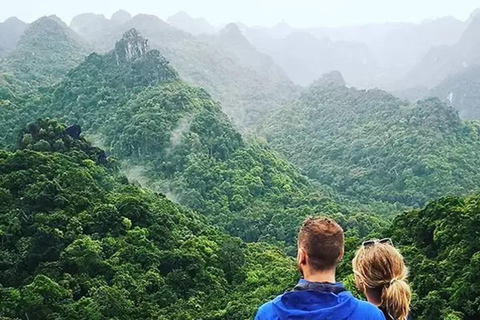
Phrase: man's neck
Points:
(319, 276)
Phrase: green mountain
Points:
(370, 145)
(12, 96)
(175, 139)
(46, 51)
(80, 242)
(247, 93)
(44, 54)
(441, 248)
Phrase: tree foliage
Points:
(370, 145)
(176, 139)
(440, 244)
(79, 242)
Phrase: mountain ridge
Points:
(247, 94)
(443, 61)
(46, 51)
(185, 22)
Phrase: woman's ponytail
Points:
(396, 298)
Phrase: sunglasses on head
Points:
(373, 242)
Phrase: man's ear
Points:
(342, 253)
(302, 256)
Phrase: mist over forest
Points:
(160, 169)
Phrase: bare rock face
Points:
(131, 47)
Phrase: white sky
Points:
(298, 13)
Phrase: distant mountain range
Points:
(377, 55)
(92, 26)
(253, 70)
(451, 73)
(443, 61)
(305, 58)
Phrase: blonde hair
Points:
(381, 268)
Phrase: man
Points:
(317, 296)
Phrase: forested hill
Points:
(371, 145)
(440, 244)
(79, 242)
(46, 51)
(247, 93)
(176, 139)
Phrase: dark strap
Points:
(324, 287)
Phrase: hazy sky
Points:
(298, 13)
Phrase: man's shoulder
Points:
(265, 309)
(266, 312)
(368, 311)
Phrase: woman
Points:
(381, 274)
